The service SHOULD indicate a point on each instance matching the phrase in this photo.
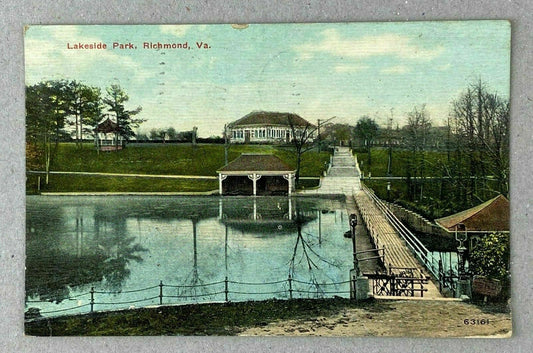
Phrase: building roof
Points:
(106, 125)
(256, 163)
(270, 118)
(490, 216)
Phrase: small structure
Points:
(269, 127)
(490, 216)
(256, 174)
(105, 136)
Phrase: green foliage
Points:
(115, 100)
(366, 129)
(490, 256)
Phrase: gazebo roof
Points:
(270, 118)
(490, 216)
(106, 125)
(256, 163)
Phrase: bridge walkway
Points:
(344, 178)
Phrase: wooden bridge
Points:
(404, 256)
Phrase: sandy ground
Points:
(407, 318)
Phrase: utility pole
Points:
(226, 144)
(318, 135)
(194, 133)
(389, 133)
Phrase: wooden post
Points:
(160, 292)
(92, 299)
(290, 286)
(226, 289)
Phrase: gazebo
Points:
(105, 136)
(490, 216)
(256, 174)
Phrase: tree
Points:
(157, 134)
(417, 130)
(115, 100)
(301, 140)
(338, 132)
(85, 107)
(46, 111)
(172, 133)
(367, 130)
(480, 120)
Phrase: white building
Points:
(269, 127)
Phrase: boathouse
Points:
(256, 174)
(490, 216)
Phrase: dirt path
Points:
(407, 318)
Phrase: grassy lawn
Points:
(171, 159)
(80, 183)
(380, 157)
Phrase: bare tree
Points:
(418, 125)
(481, 122)
(302, 139)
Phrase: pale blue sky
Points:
(314, 70)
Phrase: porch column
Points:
(289, 177)
(221, 177)
(290, 182)
(254, 178)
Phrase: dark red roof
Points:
(270, 118)
(490, 216)
(256, 163)
(106, 126)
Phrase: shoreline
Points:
(183, 193)
(296, 317)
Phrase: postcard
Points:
(325, 179)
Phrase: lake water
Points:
(123, 246)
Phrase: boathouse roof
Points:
(490, 216)
(249, 162)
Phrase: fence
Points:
(225, 291)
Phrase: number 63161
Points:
(476, 321)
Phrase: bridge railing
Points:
(420, 251)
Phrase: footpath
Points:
(343, 178)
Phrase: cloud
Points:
(400, 46)
(47, 57)
(398, 69)
(351, 68)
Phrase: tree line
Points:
(58, 110)
(475, 141)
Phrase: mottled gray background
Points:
(14, 14)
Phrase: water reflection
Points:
(69, 248)
(119, 244)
